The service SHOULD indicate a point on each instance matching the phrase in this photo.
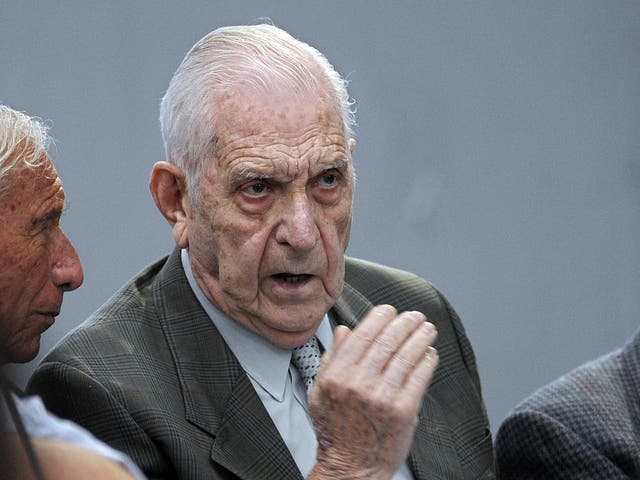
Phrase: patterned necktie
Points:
(306, 358)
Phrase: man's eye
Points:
(256, 189)
(329, 179)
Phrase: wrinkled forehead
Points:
(28, 170)
(280, 133)
(244, 112)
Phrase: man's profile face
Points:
(37, 261)
(267, 240)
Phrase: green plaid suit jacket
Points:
(149, 374)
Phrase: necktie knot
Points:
(306, 358)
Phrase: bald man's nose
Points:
(298, 227)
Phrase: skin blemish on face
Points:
(20, 184)
(213, 146)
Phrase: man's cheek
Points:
(239, 271)
(342, 229)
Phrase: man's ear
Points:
(352, 145)
(169, 190)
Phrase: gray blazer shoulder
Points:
(407, 291)
(453, 409)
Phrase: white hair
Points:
(257, 57)
(23, 140)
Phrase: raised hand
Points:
(365, 400)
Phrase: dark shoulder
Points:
(119, 320)
(405, 291)
(382, 284)
(581, 391)
(587, 406)
(133, 295)
(358, 271)
(581, 423)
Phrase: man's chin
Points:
(291, 335)
(286, 325)
(25, 353)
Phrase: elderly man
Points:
(199, 367)
(37, 265)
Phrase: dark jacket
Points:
(585, 425)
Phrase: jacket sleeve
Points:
(469, 360)
(468, 355)
(71, 393)
(533, 445)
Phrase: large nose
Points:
(298, 227)
(67, 269)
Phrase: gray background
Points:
(497, 153)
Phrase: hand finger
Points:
(401, 365)
(351, 350)
(418, 381)
(391, 340)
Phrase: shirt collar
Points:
(266, 363)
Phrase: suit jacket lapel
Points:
(430, 455)
(218, 396)
(350, 307)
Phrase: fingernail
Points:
(415, 316)
(429, 328)
(386, 309)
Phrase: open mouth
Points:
(291, 278)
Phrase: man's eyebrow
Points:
(338, 164)
(243, 175)
(50, 216)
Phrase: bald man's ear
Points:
(352, 145)
(169, 190)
